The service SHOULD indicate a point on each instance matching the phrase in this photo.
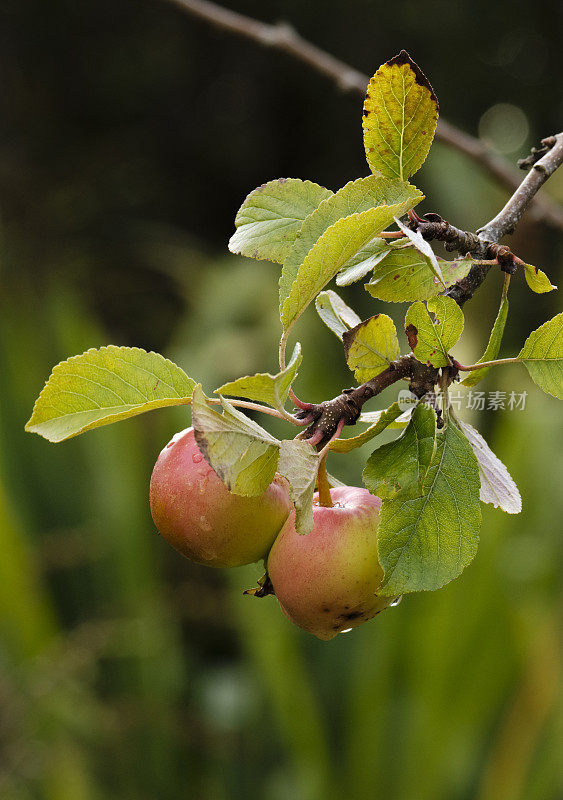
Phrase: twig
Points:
(279, 37)
(484, 244)
(285, 38)
(536, 153)
(507, 219)
(332, 415)
(253, 407)
(496, 362)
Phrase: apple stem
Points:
(322, 484)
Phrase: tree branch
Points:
(285, 38)
(348, 405)
(507, 219)
(484, 244)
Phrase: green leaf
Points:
(423, 247)
(497, 486)
(448, 319)
(373, 417)
(270, 218)
(242, 453)
(386, 419)
(537, 280)
(104, 386)
(263, 387)
(493, 347)
(299, 464)
(335, 247)
(430, 340)
(371, 346)
(354, 198)
(400, 116)
(363, 262)
(542, 355)
(398, 468)
(334, 312)
(426, 542)
(406, 274)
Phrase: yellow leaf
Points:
(400, 116)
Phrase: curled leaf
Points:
(497, 486)
(242, 453)
(335, 314)
(398, 468)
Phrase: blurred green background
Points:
(130, 134)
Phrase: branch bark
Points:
(484, 244)
(348, 405)
(285, 38)
(507, 219)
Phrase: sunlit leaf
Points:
(448, 319)
(398, 469)
(406, 274)
(263, 387)
(371, 346)
(431, 339)
(270, 218)
(354, 198)
(335, 314)
(242, 453)
(104, 386)
(537, 280)
(335, 247)
(400, 116)
(542, 355)
(426, 542)
(497, 486)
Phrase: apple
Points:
(327, 581)
(194, 511)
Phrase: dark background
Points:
(129, 135)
